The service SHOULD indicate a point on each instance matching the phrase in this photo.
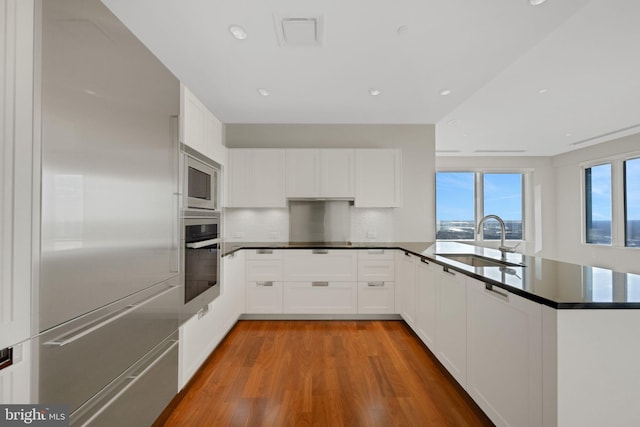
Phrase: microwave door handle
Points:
(203, 243)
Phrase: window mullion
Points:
(479, 190)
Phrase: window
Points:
(455, 205)
(632, 202)
(457, 202)
(503, 197)
(598, 204)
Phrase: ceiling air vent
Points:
(299, 31)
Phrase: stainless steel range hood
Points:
(319, 220)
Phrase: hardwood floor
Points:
(322, 373)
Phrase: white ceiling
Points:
(494, 55)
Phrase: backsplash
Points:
(272, 225)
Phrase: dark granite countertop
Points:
(556, 284)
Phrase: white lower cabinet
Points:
(334, 265)
(202, 333)
(451, 323)
(504, 336)
(426, 299)
(264, 297)
(406, 286)
(377, 297)
(321, 297)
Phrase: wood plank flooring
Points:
(322, 373)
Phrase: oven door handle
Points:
(203, 243)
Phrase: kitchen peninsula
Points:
(534, 342)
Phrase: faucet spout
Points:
(503, 249)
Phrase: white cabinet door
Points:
(194, 122)
(15, 380)
(377, 297)
(264, 265)
(406, 286)
(337, 173)
(504, 335)
(239, 178)
(451, 324)
(378, 178)
(376, 265)
(320, 297)
(302, 172)
(426, 300)
(264, 297)
(235, 279)
(268, 179)
(256, 178)
(333, 265)
(213, 136)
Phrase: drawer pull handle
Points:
(503, 295)
(319, 251)
(264, 251)
(376, 251)
(377, 284)
(407, 253)
(107, 319)
(268, 283)
(319, 283)
(446, 270)
(424, 260)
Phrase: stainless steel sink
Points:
(479, 261)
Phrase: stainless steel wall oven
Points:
(202, 259)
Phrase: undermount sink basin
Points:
(479, 261)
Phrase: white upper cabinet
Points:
(256, 178)
(303, 173)
(320, 173)
(378, 178)
(337, 173)
(199, 128)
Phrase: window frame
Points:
(624, 199)
(526, 181)
(618, 199)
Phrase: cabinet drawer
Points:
(320, 297)
(376, 297)
(139, 395)
(264, 297)
(376, 254)
(261, 270)
(337, 265)
(264, 254)
(376, 270)
(72, 357)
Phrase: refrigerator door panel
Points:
(139, 395)
(77, 359)
(109, 160)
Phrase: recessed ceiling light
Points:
(402, 30)
(568, 134)
(264, 92)
(543, 90)
(90, 92)
(453, 122)
(238, 32)
(536, 2)
(374, 92)
(445, 92)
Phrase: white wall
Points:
(540, 224)
(414, 221)
(569, 210)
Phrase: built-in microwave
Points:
(201, 177)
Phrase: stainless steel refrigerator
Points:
(108, 293)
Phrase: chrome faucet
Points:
(503, 249)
